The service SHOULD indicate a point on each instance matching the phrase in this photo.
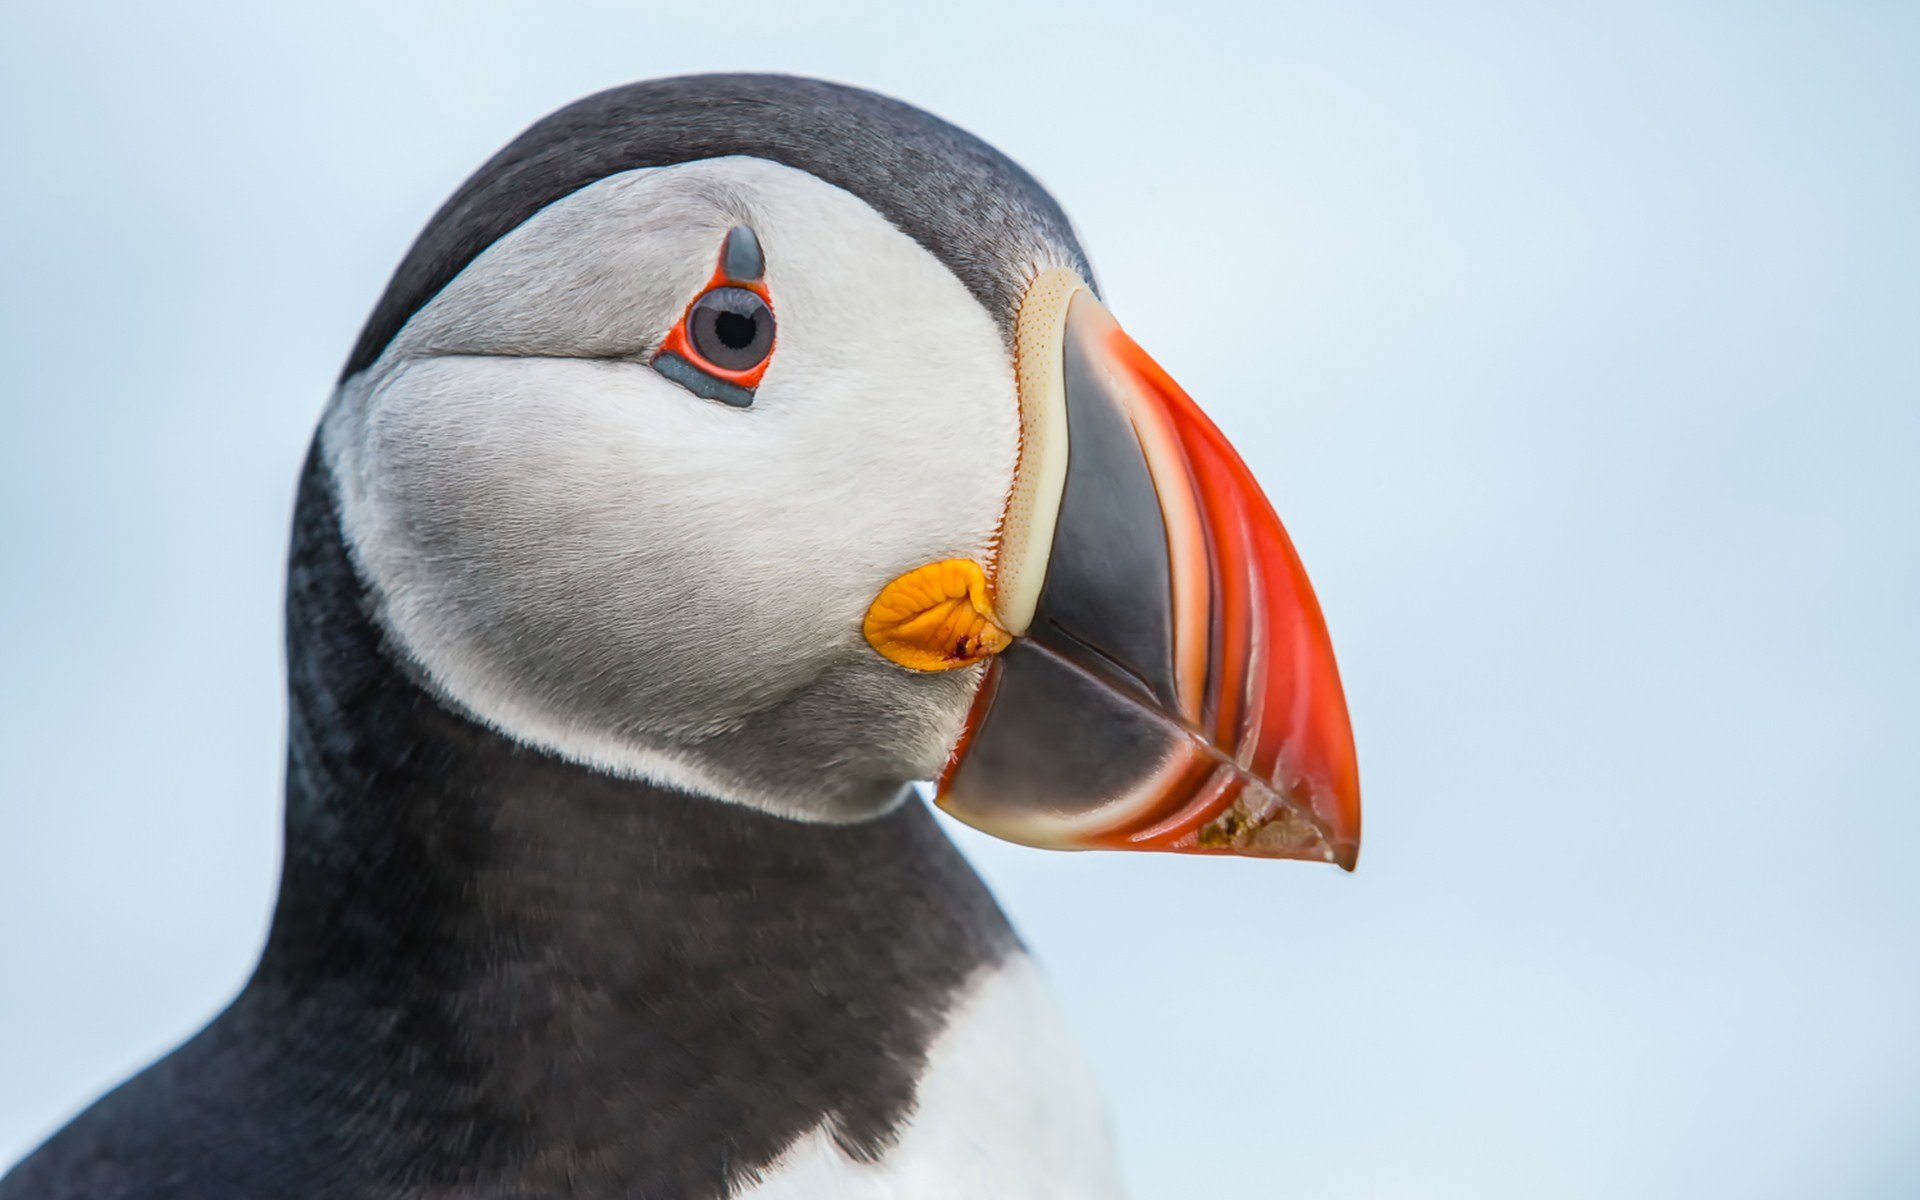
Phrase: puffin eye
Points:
(731, 328)
(720, 348)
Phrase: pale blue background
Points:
(1579, 345)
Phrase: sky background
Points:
(1578, 346)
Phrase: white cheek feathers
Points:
(594, 559)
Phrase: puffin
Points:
(734, 466)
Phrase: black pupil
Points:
(732, 328)
(736, 330)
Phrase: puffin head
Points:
(768, 439)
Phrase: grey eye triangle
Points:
(741, 259)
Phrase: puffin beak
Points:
(1166, 682)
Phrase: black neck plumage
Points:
(566, 975)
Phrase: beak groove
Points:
(1275, 704)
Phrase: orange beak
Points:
(1169, 684)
